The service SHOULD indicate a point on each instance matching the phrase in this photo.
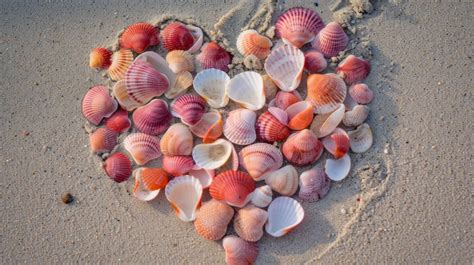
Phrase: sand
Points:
(407, 200)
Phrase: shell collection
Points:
(251, 139)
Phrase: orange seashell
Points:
(102, 140)
(121, 61)
(118, 122)
(144, 82)
(100, 58)
(118, 167)
(209, 127)
(233, 187)
(331, 40)
(302, 148)
(176, 36)
(154, 118)
(361, 93)
(214, 56)
(300, 115)
(270, 129)
(250, 42)
(337, 143)
(183, 81)
(180, 61)
(189, 108)
(314, 61)
(98, 104)
(285, 99)
(139, 36)
(325, 92)
(177, 141)
(298, 26)
(149, 182)
(121, 95)
(142, 147)
(314, 185)
(249, 222)
(260, 158)
(353, 69)
(178, 165)
(239, 127)
(239, 251)
(212, 219)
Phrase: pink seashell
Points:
(331, 40)
(142, 147)
(300, 115)
(98, 104)
(337, 143)
(239, 251)
(189, 108)
(269, 129)
(353, 69)
(284, 214)
(177, 165)
(176, 36)
(209, 127)
(159, 64)
(121, 61)
(212, 219)
(361, 93)
(283, 180)
(239, 127)
(100, 58)
(144, 82)
(259, 159)
(302, 148)
(314, 61)
(285, 99)
(285, 66)
(356, 116)
(154, 118)
(184, 194)
(214, 56)
(118, 122)
(138, 37)
(118, 167)
(177, 141)
(102, 140)
(279, 114)
(325, 92)
(249, 222)
(233, 187)
(298, 26)
(250, 42)
(314, 185)
(205, 176)
(325, 124)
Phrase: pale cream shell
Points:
(338, 170)
(284, 214)
(284, 180)
(247, 89)
(211, 85)
(361, 139)
(325, 124)
(285, 66)
(184, 193)
(213, 155)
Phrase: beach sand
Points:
(407, 200)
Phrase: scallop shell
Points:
(269, 129)
(353, 69)
(142, 147)
(283, 180)
(184, 193)
(121, 95)
(160, 65)
(178, 165)
(269, 87)
(259, 159)
(98, 104)
(211, 85)
(121, 61)
(239, 127)
(314, 61)
(144, 82)
(361, 93)
(102, 140)
(300, 115)
(212, 155)
(331, 40)
(176, 36)
(205, 176)
(180, 61)
(247, 89)
(356, 116)
(325, 92)
(118, 167)
(233, 187)
(154, 118)
(100, 58)
(314, 185)
(149, 182)
(338, 170)
(214, 56)
(198, 38)
(183, 81)
(325, 124)
(298, 26)
(209, 127)
(118, 122)
(285, 99)
(250, 42)
(249, 222)
(361, 139)
(284, 214)
(302, 148)
(239, 251)
(139, 36)
(212, 219)
(177, 141)
(262, 196)
(189, 108)
(285, 66)
(337, 143)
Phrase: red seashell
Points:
(178, 165)
(144, 82)
(270, 129)
(138, 37)
(118, 167)
(298, 26)
(177, 36)
(154, 118)
(337, 143)
(285, 99)
(98, 104)
(314, 61)
(214, 56)
(118, 122)
(302, 148)
(102, 140)
(331, 40)
(353, 69)
(189, 108)
(100, 58)
(233, 187)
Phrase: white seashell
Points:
(239, 127)
(213, 155)
(184, 193)
(285, 66)
(356, 116)
(262, 196)
(361, 139)
(247, 89)
(283, 180)
(205, 176)
(284, 214)
(211, 85)
(338, 170)
(325, 124)
(160, 64)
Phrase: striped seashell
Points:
(262, 196)
(269, 129)
(139, 36)
(180, 61)
(121, 61)
(189, 108)
(118, 167)
(250, 42)
(177, 141)
(149, 182)
(331, 40)
(298, 26)
(98, 104)
(356, 116)
(144, 82)
(142, 147)
(353, 69)
(283, 180)
(118, 122)
(325, 92)
(249, 222)
(211, 85)
(120, 93)
(285, 99)
(285, 66)
(100, 58)
(361, 93)
(314, 185)
(259, 159)
(212, 219)
(284, 214)
(302, 148)
(159, 64)
(178, 165)
(314, 61)
(214, 56)
(184, 194)
(176, 36)
(154, 118)
(239, 127)
(233, 187)
(102, 140)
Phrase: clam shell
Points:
(160, 65)
(314, 61)
(205, 176)
(353, 69)
(180, 61)
(149, 182)
(314, 185)
(154, 118)
(211, 85)
(189, 108)
(118, 167)
(325, 92)
(337, 143)
(247, 89)
(121, 61)
(144, 82)
(250, 42)
(212, 219)
(249, 222)
(331, 40)
(183, 81)
(269, 87)
(100, 58)
(285, 99)
(176, 36)
(283, 180)
(262, 196)
(284, 214)
(239, 127)
(285, 66)
(214, 56)
(361, 139)
(178, 165)
(325, 124)
(177, 141)
(356, 116)
(139, 36)
(142, 147)
(198, 38)
(361, 93)
(269, 129)
(212, 155)
(102, 140)
(233, 187)
(239, 251)
(300, 115)
(338, 170)
(98, 104)
(259, 159)
(302, 148)
(120, 93)
(298, 26)
(118, 122)
(184, 193)
(209, 127)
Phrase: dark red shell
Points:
(214, 56)
(177, 36)
(138, 37)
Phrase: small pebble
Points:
(343, 211)
(67, 198)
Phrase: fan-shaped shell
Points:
(262, 196)
(269, 87)
(284, 214)
(269, 129)
(214, 56)
(314, 185)
(205, 176)
(353, 69)
(325, 92)
(184, 193)
(144, 82)
(139, 36)
(189, 108)
(250, 42)
(100, 58)
(239, 251)
(314, 61)
(212, 219)
(154, 118)
(361, 93)
(361, 139)
(302, 148)
(160, 65)
(212, 155)
(331, 40)
(283, 180)
(98, 104)
(211, 85)
(356, 116)
(149, 182)
(249, 222)
(239, 127)
(298, 26)
(338, 170)
(178, 165)
(118, 167)
(180, 61)
(325, 124)
(285, 66)
(177, 141)
(142, 147)
(233, 187)
(247, 89)
(121, 61)
(118, 122)
(260, 158)
(300, 115)
(337, 143)
(209, 127)
(102, 140)
(121, 95)
(176, 36)
(183, 81)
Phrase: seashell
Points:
(154, 118)
(349, 103)
(198, 38)
(176, 36)
(259, 159)
(98, 104)
(337, 143)
(250, 42)
(269, 129)
(314, 185)
(247, 89)
(239, 127)
(361, 139)
(184, 193)
(302, 148)
(283, 180)
(353, 69)
(356, 116)
(233, 187)
(149, 182)
(314, 61)
(262, 196)
(300, 115)
(361, 93)
(100, 58)
(205, 176)
(177, 165)
(144, 82)
(325, 92)
(121, 61)
(183, 81)
(279, 114)
(285, 99)
(180, 61)
(232, 162)
(249, 222)
(325, 124)
(189, 108)
(270, 89)
(118, 167)
(209, 127)
(239, 251)
(139, 36)
(331, 40)
(102, 140)
(212, 155)
(214, 56)
(285, 66)
(177, 141)
(284, 214)
(212, 219)
(142, 147)
(298, 26)
(121, 95)
(211, 85)
(118, 122)
(160, 65)
(338, 170)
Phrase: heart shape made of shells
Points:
(274, 129)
